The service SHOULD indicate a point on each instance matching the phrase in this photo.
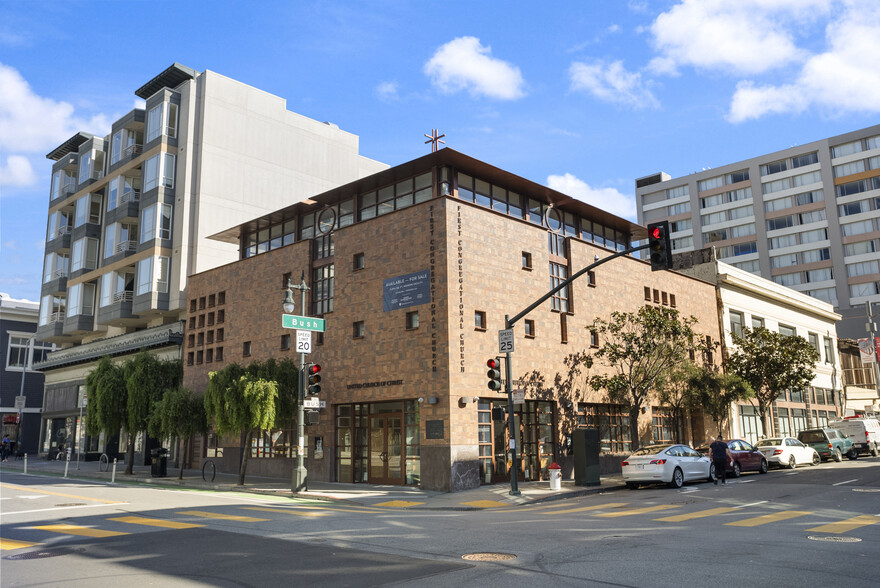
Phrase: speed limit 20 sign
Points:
(303, 341)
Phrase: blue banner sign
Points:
(405, 291)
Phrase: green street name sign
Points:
(302, 323)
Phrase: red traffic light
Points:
(494, 364)
(313, 369)
(656, 233)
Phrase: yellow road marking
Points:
(696, 515)
(847, 525)
(26, 489)
(769, 518)
(225, 517)
(398, 504)
(485, 503)
(586, 508)
(637, 511)
(13, 544)
(293, 512)
(154, 522)
(78, 530)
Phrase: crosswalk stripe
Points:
(769, 518)
(637, 511)
(43, 491)
(6, 544)
(586, 508)
(301, 513)
(79, 530)
(226, 517)
(485, 504)
(154, 522)
(847, 525)
(398, 504)
(696, 515)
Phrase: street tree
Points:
(238, 401)
(772, 363)
(718, 391)
(676, 391)
(640, 348)
(107, 408)
(147, 378)
(179, 414)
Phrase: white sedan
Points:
(787, 452)
(669, 464)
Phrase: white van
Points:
(864, 432)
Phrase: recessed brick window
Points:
(246, 348)
(200, 357)
(201, 321)
(526, 260)
(191, 340)
(219, 335)
(657, 296)
(221, 316)
(357, 262)
(357, 330)
(480, 320)
(412, 320)
(285, 342)
(202, 303)
(209, 356)
(210, 338)
(192, 322)
(594, 338)
(648, 293)
(192, 305)
(530, 328)
(210, 319)
(221, 297)
(190, 358)
(212, 300)
(218, 354)
(665, 299)
(591, 279)
(672, 300)
(201, 339)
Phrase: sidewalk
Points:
(371, 495)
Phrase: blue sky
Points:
(581, 96)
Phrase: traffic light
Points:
(494, 374)
(313, 375)
(659, 246)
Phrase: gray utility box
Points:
(585, 443)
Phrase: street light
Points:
(300, 475)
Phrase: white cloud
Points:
(844, 78)
(611, 83)
(743, 36)
(387, 91)
(31, 123)
(465, 64)
(17, 172)
(608, 199)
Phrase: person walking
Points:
(6, 448)
(721, 456)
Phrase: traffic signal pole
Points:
(508, 385)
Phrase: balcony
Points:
(126, 246)
(57, 284)
(119, 312)
(131, 152)
(53, 330)
(79, 324)
(127, 207)
(58, 240)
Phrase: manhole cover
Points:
(866, 489)
(488, 556)
(833, 538)
(44, 553)
(72, 504)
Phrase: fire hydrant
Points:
(555, 472)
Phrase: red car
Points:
(745, 458)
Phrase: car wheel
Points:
(816, 460)
(837, 455)
(853, 453)
(792, 462)
(632, 485)
(737, 470)
(763, 469)
(677, 480)
(712, 474)
(874, 451)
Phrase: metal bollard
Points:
(25, 463)
(66, 464)
(113, 475)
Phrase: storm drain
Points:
(44, 553)
(833, 538)
(488, 556)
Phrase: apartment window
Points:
(323, 279)
(153, 275)
(829, 350)
(219, 335)
(246, 348)
(221, 298)
(672, 300)
(192, 322)
(81, 299)
(52, 309)
(563, 328)
(656, 296)
(117, 287)
(774, 167)
(526, 260)
(159, 170)
(209, 355)
(191, 340)
(412, 320)
(218, 354)
(737, 320)
(479, 320)
(200, 357)
(190, 358)
(813, 338)
(558, 274)
(201, 321)
(665, 299)
(88, 210)
(212, 300)
(209, 337)
(162, 119)
(594, 338)
(357, 330)
(787, 331)
(529, 328)
(19, 357)
(357, 262)
(221, 315)
(591, 279)
(200, 340)
(63, 184)
(285, 342)
(757, 322)
(648, 293)
(661, 425)
(210, 319)
(155, 222)
(84, 254)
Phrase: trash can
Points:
(555, 472)
(159, 462)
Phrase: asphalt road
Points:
(805, 527)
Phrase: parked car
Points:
(864, 432)
(746, 458)
(787, 452)
(829, 443)
(670, 464)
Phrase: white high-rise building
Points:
(807, 217)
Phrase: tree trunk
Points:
(245, 451)
(129, 456)
(634, 427)
(183, 457)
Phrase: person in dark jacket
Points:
(721, 456)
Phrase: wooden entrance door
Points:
(386, 449)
